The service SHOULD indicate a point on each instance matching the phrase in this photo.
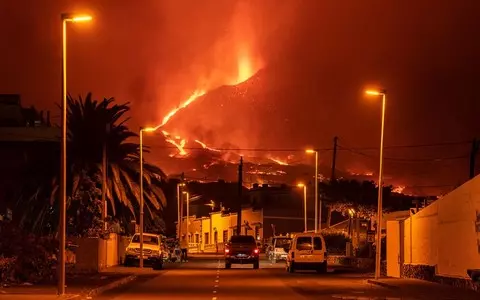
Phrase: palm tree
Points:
(90, 125)
(87, 133)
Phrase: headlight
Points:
(130, 250)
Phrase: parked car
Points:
(277, 251)
(307, 251)
(152, 250)
(242, 249)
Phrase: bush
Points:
(25, 257)
(336, 241)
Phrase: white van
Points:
(307, 251)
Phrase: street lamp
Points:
(301, 185)
(179, 211)
(63, 155)
(142, 130)
(318, 212)
(382, 93)
(188, 211)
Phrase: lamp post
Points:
(66, 18)
(382, 93)
(142, 130)
(179, 213)
(301, 185)
(318, 206)
(188, 212)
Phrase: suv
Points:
(307, 252)
(152, 250)
(242, 249)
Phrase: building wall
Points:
(446, 234)
(223, 224)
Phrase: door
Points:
(394, 248)
(303, 249)
(318, 249)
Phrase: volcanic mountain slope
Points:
(263, 113)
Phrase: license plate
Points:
(241, 255)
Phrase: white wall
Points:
(444, 233)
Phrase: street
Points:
(207, 279)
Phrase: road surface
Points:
(207, 279)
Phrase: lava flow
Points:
(244, 72)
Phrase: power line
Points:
(404, 159)
(416, 146)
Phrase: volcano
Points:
(254, 119)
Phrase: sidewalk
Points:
(76, 286)
(420, 289)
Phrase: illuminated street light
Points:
(301, 185)
(179, 211)
(188, 211)
(318, 213)
(382, 93)
(63, 155)
(351, 212)
(142, 130)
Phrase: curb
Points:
(110, 286)
(382, 284)
(363, 298)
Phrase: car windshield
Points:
(282, 242)
(243, 239)
(147, 239)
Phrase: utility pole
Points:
(473, 155)
(240, 190)
(104, 176)
(334, 159)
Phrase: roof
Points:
(29, 134)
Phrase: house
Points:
(441, 241)
(209, 234)
(26, 137)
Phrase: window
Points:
(243, 239)
(304, 243)
(147, 239)
(257, 232)
(234, 231)
(206, 241)
(225, 236)
(215, 237)
(197, 238)
(317, 243)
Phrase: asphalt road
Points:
(207, 279)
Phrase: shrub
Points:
(25, 257)
(336, 241)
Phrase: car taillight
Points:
(227, 250)
(256, 251)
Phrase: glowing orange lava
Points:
(204, 146)
(278, 161)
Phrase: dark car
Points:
(242, 249)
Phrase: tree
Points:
(343, 194)
(91, 124)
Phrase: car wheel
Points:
(291, 268)
(256, 265)
(127, 263)
(228, 265)
(158, 265)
